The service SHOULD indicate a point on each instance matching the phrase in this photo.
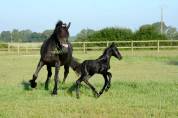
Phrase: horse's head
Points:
(115, 51)
(61, 32)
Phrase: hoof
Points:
(107, 88)
(54, 93)
(78, 97)
(100, 93)
(33, 84)
(97, 95)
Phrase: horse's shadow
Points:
(73, 88)
(173, 63)
(26, 85)
(65, 87)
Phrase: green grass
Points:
(142, 86)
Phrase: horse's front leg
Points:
(48, 77)
(105, 84)
(109, 83)
(66, 72)
(35, 75)
(56, 77)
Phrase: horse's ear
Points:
(59, 24)
(68, 25)
(113, 44)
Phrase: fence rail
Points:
(30, 48)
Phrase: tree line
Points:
(24, 36)
(145, 32)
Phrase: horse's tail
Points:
(76, 66)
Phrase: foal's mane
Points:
(104, 53)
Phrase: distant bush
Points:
(3, 45)
(145, 32)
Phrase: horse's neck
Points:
(106, 57)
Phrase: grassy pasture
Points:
(144, 85)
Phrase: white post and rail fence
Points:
(33, 48)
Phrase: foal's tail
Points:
(76, 66)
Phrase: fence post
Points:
(158, 46)
(132, 47)
(18, 49)
(26, 49)
(84, 48)
(107, 43)
(8, 48)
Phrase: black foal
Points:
(101, 66)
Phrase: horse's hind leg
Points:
(109, 83)
(35, 75)
(48, 77)
(92, 87)
(78, 83)
(105, 84)
(66, 72)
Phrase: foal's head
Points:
(115, 52)
(61, 32)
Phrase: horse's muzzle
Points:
(120, 58)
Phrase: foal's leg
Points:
(66, 72)
(48, 77)
(78, 83)
(109, 83)
(92, 87)
(105, 84)
(35, 75)
(56, 77)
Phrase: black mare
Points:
(101, 66)
(55, 52)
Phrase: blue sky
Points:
(39, 15)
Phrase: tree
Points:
(106, 34)
(35, 37)
(25, 35)
(157, 27)
(6, 36)
(149, 32)
(83, 35)
(47, 33)
(16, 36)
(171, 33)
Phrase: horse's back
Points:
(94, 66)
(91, 66)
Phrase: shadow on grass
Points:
(26, 85)
(173, 63)
(72, 89)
